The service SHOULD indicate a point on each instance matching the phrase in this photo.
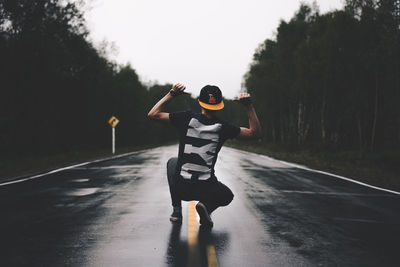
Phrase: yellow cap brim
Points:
(212, 107)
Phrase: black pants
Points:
(211, 193)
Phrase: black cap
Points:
(211, 98)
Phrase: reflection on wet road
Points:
(116, 213)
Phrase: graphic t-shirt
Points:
(200, 140)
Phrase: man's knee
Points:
(171, 166)
(172, 163)
(226, 197)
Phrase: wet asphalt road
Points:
(116, 213)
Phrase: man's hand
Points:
(243, 98)
(157, 112)
(178, 89)
(255, 128)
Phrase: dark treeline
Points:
(332, 80)
(58, 91)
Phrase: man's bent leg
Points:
(172, 179)
(176, 215)
(220, 196)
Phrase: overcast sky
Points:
(191, 42)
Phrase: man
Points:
(201, 136)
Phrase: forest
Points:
(332, 80)
(325, 80)
(58, 91)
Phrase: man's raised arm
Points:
(255, 128)
(157, 112)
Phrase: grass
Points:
(379, 169)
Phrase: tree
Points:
(331, 79)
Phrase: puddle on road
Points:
(109, 167)
(80, 180)
(123, 175)
(83, 191)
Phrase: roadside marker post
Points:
(113, 140)
(113, 121)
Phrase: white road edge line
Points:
(322, 172)
(68, 167)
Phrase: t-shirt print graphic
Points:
(200, 151)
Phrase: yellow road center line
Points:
(194, 251)
(211, 256)
(194, 256)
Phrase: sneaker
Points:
(205, 218)
(176, 217)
